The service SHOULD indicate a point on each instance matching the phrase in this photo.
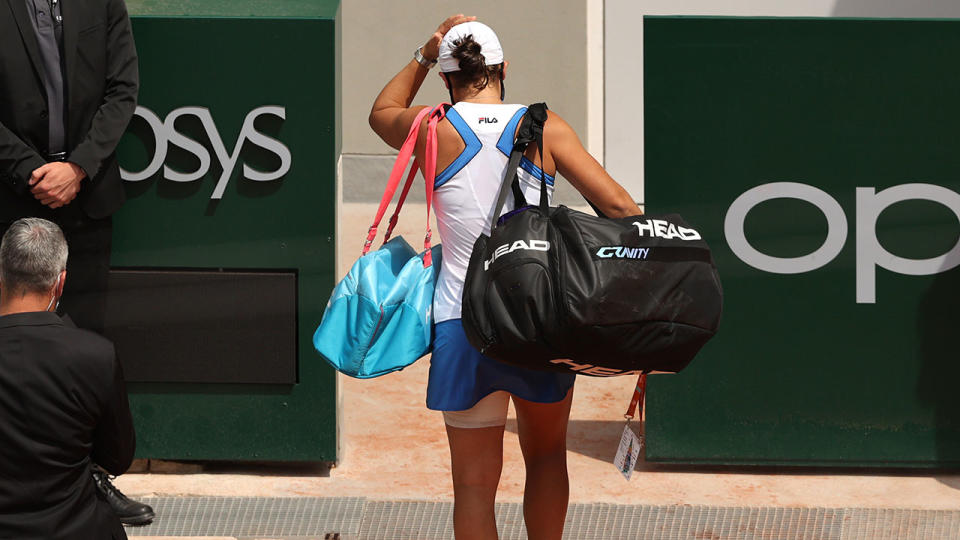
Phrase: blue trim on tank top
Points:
(528, 166)
(472, 148)
(505, 144)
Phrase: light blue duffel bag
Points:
(380, 318)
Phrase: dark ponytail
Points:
(474, 70)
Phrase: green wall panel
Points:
(231, 66)
(801, 372)
(326, 9)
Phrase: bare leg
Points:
(476, 457)
(543, 440)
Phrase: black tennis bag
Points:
(560, 290)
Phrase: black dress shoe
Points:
(128, 510)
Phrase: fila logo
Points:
(534, 245)
(665, 229)
(485, 120)
(622, 252)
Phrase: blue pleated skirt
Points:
(460, 376)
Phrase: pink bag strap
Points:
(403, 197)
(430, 171)
(403, 158)
(406, 153)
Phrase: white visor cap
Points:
(489, 45)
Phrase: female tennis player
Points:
(473, 391)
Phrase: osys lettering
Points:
(165, 134)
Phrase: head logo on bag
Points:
(590, 369)
(665, 229)
(533, 245)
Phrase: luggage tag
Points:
(630, 444)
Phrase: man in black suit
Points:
(62, 399)
(68, 87)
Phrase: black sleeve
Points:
(120, 97)
(17, 161)
(114, 440)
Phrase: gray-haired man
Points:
(68, 88)
(62, 399)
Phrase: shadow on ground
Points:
(254, 468)
(598, 439)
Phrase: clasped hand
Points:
(57, 183)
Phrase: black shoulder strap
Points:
(531, 130)
(519, 201)
(536, 114)
(539, 113)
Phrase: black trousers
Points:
(88, 268)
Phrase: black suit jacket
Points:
(100, 79)
(63, 404)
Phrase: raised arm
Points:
(391, 114)
(577, 165)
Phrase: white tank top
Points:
(466, 191)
